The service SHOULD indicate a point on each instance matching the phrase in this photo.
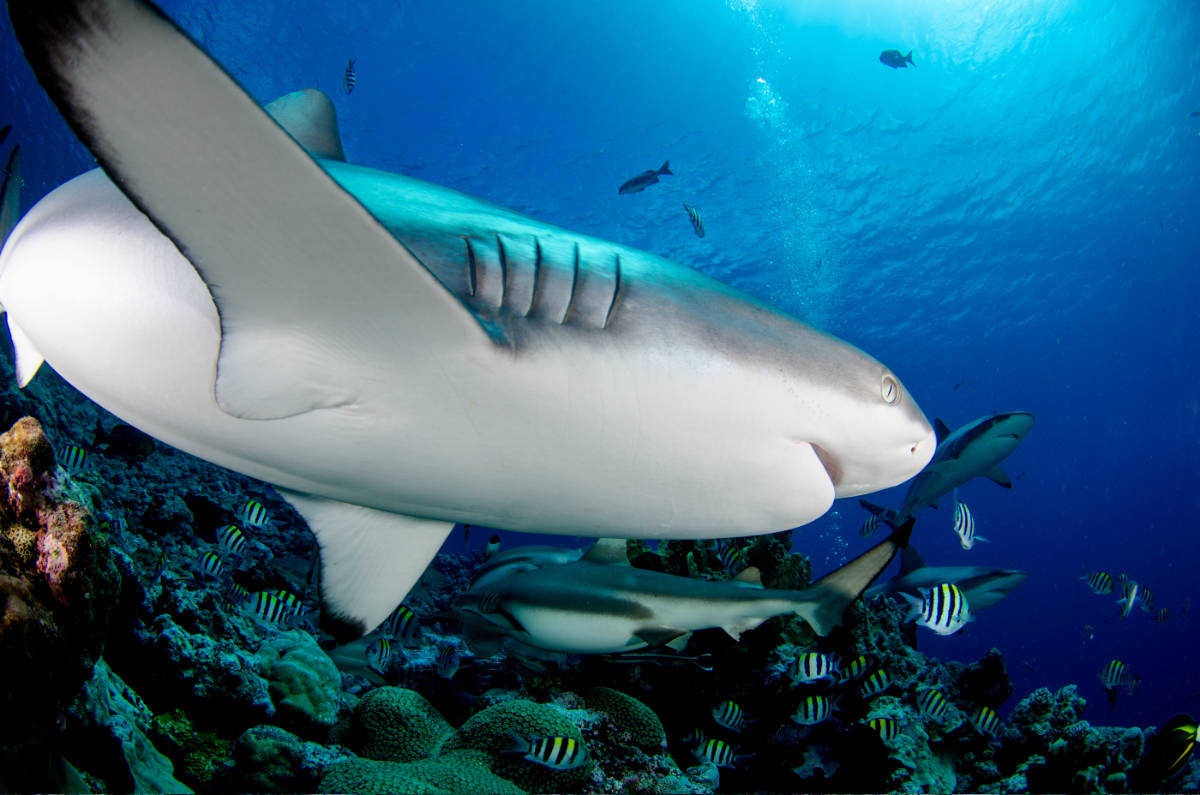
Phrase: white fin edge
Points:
(370, 559)
(29, 359)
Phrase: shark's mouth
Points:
(832, 468)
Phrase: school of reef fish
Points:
(158, 634)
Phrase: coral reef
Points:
(454, 772)
(304, 683)
(271, 759)
(630, 715)
(397, 725)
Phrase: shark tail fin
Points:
(909, 58)
(666, 168)
(887, 515)
(824, 603)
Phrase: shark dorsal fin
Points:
(750, 576)
(609, 551)
(941, 429)
(910, 561)
(308, 116)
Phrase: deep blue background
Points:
(1018, 213)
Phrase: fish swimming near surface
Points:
(1101, 582)
(559, 753)
(349, 79)
(983, 586)
(896, 59)
(974, 450)
(645, 179)
(601, 604)
(942, 608)
(964, 525)
(252, 352)
(694, 217)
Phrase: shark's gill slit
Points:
(537, 275)
(503, 257)
(470, 266)
(616, 293)
(574, 286)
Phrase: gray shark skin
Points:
(983, 586)
(395, 356)
(600, 604)
(976, 449)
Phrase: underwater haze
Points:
(1011, 223)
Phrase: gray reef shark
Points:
(983, 586)
(601, 604)
(975, 449)
(395, 356)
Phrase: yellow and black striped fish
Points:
(932, 704)
(379, 656)
(348, 78)
(887, 728)
(853, 669)
(291, 603)
(813, 710)
(718, 752)
(943, 608)
(558, 753)
(730, 715)
(869, 526)
(231, 540)
(403, 625)
(253, 514)
(74, 458)
(1101, 582)
(875, 684)
(813, 666)
(267, 607)
(985, 720)
(211, 565)
(694, 217)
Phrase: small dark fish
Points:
(1162, 616)
(1193, 113)
(853, 670)
(694, 217)
(896, 59)
(4, 131)
(959, 385)
(348, 78)
(644, 180)
(237, 592)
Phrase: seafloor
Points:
(129, 667)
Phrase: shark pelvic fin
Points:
(28, 358)
(369, 560)
(308, 116)
(247, 206)
(664, 636)
(610, 551)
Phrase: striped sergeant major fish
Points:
(886, 727)
(869, 526)
(1162, 616)
(964, 524)
(1129, 597)
(943, 609)
(719, 753)
(932, 704)
(557, 753)
(237, 592)
(291, 603)
(348, 77)
(731, 716)
(268, 607)
(379, 656)
(814, 666)
(211, 564)
(74, 458)
(876, 683)
(813, 710)
(403, 625)
(855, 669)
(1146, 597)
(732, 555)
(985, 720)
(1101, 582)
(230, 539)
(447, 661)
(694, 217)
(253, 514)
(1115, 674)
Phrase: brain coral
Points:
(457, 771)
(398, 725)
(630, 715)
(492, 730)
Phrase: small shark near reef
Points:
(601, 604)
(397, 357)
(975, 449)
(983, 586)
(644, 180)
(896, 59)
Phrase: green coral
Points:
(457, 771)
(629, 715)
(492, 730)
(398, 725)
(304, 682)
(199, 756)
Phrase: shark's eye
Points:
(889, 389)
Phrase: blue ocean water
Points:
(1010, 224)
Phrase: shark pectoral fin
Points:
(248, 207)
(308, 116)
(369, 559)
(10, 194)
(29, 359)
(612, 551)
(824, 602)
(663, 636)
(941, 430)
(997, 474)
